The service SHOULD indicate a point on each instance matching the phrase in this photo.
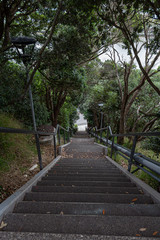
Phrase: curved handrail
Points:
(139, 160)
(37, 134)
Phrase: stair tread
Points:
(84, 178)
(115, 209)
(84, 183)
(88, 197)
(103, 225)
(53, 236)
(86, 189)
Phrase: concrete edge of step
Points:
(8, 205)
(139, 183)
(52, 236)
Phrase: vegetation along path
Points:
(84, 196)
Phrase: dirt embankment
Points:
(17, 176)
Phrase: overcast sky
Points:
(123, 53)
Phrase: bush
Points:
(152, 143)
(14, 147)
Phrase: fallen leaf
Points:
(73, 185)
(134, 199)
(104, 212)
(142, 229)
(3, 224)
(61, 213)
(138, 235)
(155, 233)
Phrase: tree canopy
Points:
(65, 72)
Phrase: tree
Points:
(131, 21)
(13, 77)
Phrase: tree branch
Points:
(55, 22)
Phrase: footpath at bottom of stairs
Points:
(84, 196)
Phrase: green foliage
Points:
(140, 174)
(103, 88)
(152, 143)
(15, 148)
(68, 114)
(13, 77)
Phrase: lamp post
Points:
(25, 47)
(101, 122)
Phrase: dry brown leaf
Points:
(138, 235)
(142, 229)
(155, 233)
(3, 224)
(134, 199)
(61, 213)
(104, 212)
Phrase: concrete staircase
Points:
(84, 196)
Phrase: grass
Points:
(14, 148)
(141, 174)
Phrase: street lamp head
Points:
(100, 104)
(24, 46)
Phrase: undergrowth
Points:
(139, 149)
(14, 148)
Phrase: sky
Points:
(123, 53)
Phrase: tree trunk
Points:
(122, 118)
(96, 123)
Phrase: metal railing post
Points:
(130, 161)
(38, 151)
(55, 147)
(64, 137)
(112, 147)
(68, 135)
(101, 136)
(59, 136)
(107, 137)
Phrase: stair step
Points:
(85, 183)
(87, 178)
(97, 167)
(103, 225)
(88, 197)
(91, 171)
(53, 236)
(84, 175)
(85, 189)
(81, 160)
(108, 209)
(84, 167)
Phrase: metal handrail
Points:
(55, 133)
(139, 160)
